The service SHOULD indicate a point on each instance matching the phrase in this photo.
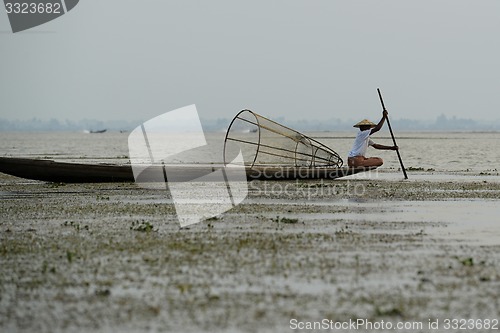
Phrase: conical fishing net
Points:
(264, 142)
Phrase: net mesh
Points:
(264, 142)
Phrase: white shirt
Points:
(361, 143)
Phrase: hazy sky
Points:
(133, 60)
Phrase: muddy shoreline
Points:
(112, 257)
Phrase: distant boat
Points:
(100, 131)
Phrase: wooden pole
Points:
(392, 135)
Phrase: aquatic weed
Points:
(285, 220)
(70, 255)
(142, 226)
(467, 261)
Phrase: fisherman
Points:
(356, 156)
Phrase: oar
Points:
(392, 135)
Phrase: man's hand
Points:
(380, 123)
(395, 148)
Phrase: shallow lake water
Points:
(474, 152)
(430, 157)
(83, 257)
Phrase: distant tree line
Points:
(37, 124)
(441, 123)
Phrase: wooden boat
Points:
(64, 172)
(269, 151)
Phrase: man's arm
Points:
(382, 147)
(380, 123)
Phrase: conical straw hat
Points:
(365, 122)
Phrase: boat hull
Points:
(64, 172)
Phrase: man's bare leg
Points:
(361, 161)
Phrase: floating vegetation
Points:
(142, 226)
(285, 220)
(467, 261)
(415, 169)
(264, 262)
